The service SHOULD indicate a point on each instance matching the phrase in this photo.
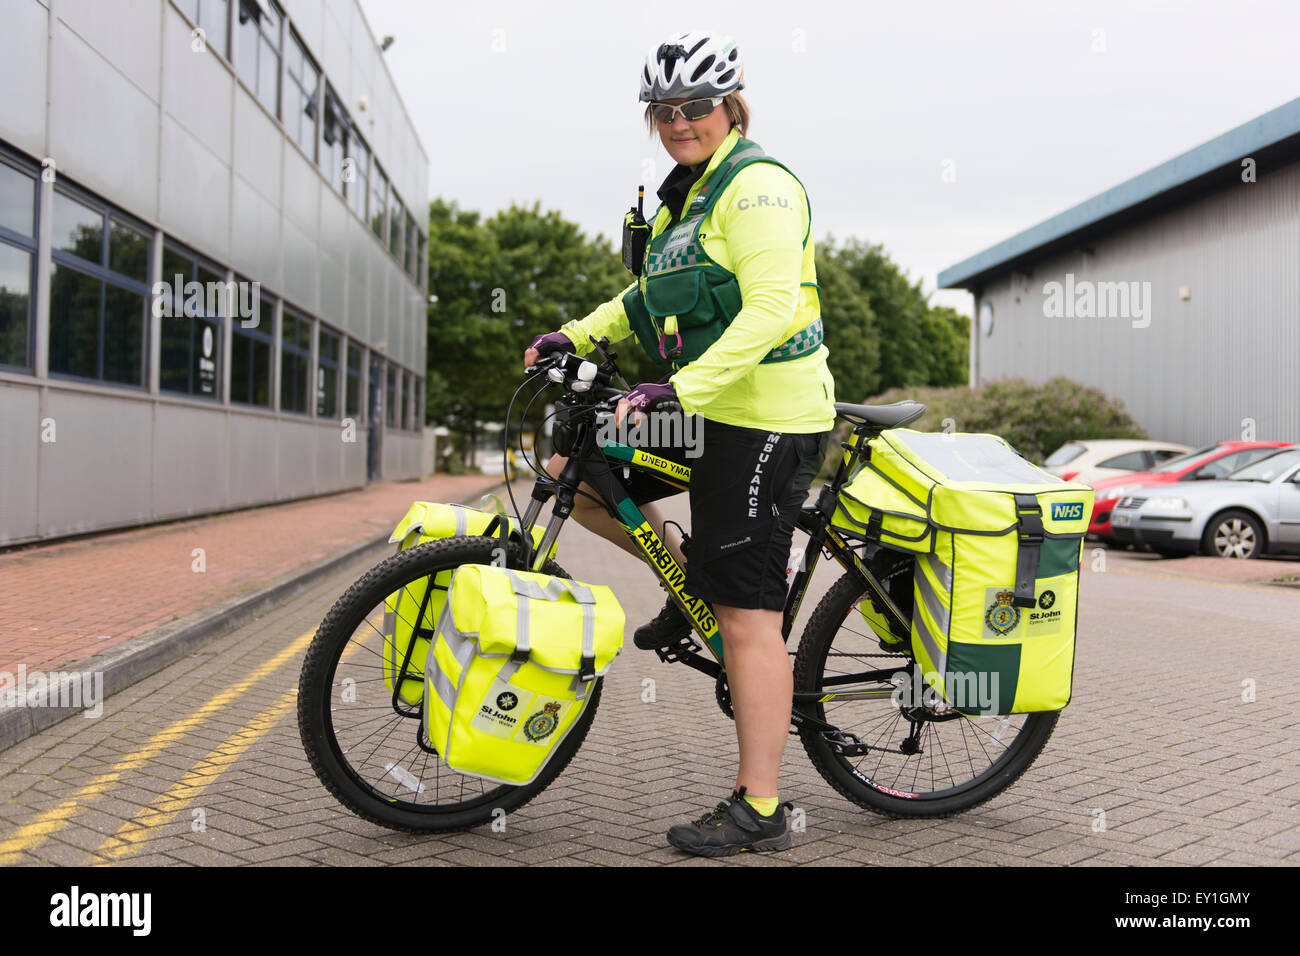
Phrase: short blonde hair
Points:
(735, 105)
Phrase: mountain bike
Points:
(897, 753)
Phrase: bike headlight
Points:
(1168, 503)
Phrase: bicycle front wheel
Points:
(369, 748)
(927, 766)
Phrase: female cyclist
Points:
(727, 299)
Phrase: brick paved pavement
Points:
(66, 601)
(1160, 738)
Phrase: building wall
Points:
(125, 108)
(1206, 368)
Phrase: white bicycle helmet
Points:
(692, 65)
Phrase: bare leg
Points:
(598, 521)
(762, 687)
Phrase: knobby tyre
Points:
(364, 752)
(963, 761)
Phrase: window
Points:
(211, 15)
(1133, 461)
(1160, 455)
(190, 337)
(356, 183)
(395, 219)
(327, 375)
(418, 422)
(17, 201)
(250, 358)
(390, 415)
(295, 359)
(410, 243)
(259, 51)
(334, 135)
(98, 291)
(378, 200)
(17, 260)
(1063, 455)
(15, 305)
(300, 96)
(406, 402)
(352, 401)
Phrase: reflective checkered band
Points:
(676, 248)
(801, 343)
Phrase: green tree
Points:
(851, 335)
(498, 283)
(948, 333)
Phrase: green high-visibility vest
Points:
(684, 299)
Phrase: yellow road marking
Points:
(31, 835)
(202, 775)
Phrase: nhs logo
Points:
(1067, 511)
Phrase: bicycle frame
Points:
(595, 465)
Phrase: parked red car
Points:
(1213, 461)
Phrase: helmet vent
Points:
(702, 68)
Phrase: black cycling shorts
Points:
(747, 487)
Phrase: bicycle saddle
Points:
(894, 415)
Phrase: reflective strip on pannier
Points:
(510, 668)
(403, 658)
(998, 543)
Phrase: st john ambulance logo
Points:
(507, 701)
(1002, 615)
(543, 723)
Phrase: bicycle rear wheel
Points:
(376, 760)
(935, 768)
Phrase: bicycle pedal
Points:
(675, 652)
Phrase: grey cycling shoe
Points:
(732, 827)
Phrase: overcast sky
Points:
(1031, 105)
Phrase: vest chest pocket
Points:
(680, 294)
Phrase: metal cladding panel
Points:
(354, 461)
(24, 53)
(300, 265)
(252, 459)
(198, 90)
(92, 104)
(1217, 365)
(97, 473)
(335, 54)
(125, 33)
(259, 147)
(195, 188)
(360, 239)
(302, 187)
(337, 460)
(22, 435)
(297, 460)
(306, 16)
(257, 245)
(189, 449)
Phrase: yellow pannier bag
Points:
(998, 543)
(407, 613)
(511, 666)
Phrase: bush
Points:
(1035, 418)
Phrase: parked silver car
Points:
(1254, 511)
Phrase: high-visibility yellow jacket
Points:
(756, 228)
